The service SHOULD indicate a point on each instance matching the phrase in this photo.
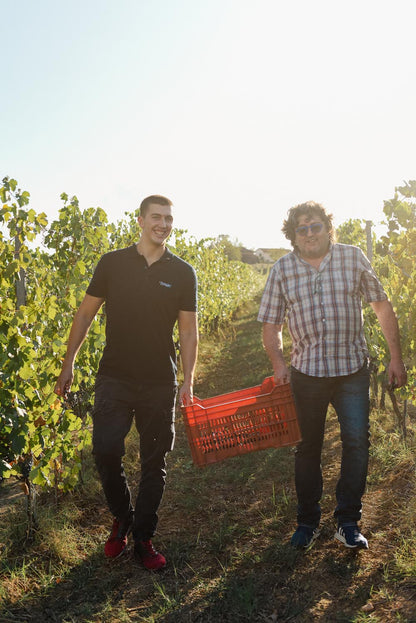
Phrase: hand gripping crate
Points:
(239, 422)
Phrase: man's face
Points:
(157, 223)
(312, 237)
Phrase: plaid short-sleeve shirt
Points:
(323, 308)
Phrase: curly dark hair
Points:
(310, 209)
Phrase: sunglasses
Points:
(314, 228)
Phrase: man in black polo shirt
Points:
(146, 289)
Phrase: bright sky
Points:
(235, 109)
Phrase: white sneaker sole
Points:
(342, 540)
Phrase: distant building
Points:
(270, 255)
(263, 255)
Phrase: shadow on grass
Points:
(93, 590)
(78, 596)
(278, 586)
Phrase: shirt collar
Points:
(133, 254)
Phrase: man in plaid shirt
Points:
(317, 289)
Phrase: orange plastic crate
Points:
(242, 421)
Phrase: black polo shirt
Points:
(141, 305)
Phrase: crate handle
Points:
(268, 384)
(195, 403)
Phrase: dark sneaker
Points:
(150, 558)
(117, 541)
(303, 537)
(351, 537)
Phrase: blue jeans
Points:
(349, 396)
(152, 407)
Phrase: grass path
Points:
(225, 532)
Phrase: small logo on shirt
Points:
(164, 284)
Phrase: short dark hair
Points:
(159, 199)
(310, 209)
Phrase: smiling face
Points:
(311, 243)
(156, 224)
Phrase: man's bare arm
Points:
(188, 339)
(390, 328)
(79, 330)
(273, 344)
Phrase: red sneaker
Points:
(117, 541)
(146, 553)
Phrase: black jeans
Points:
(117, 402)
(349, 395)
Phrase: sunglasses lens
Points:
(303, 229)
(316, 227)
